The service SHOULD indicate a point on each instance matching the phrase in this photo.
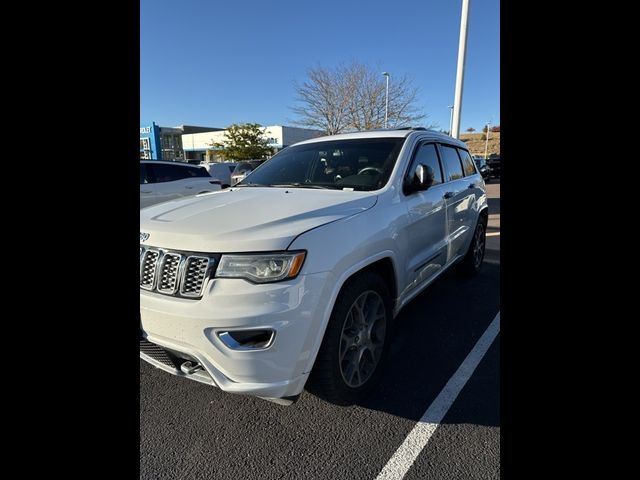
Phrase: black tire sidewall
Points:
(468, 266)
(331, 385)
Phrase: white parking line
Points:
(493, 234)
(399, 464)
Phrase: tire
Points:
(336, 381)
(472, 261)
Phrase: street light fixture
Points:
(486, 144)
(386, 102)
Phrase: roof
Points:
(387, 133)
(163, 162)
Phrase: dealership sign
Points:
(145, 129)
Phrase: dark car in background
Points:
(494, 165)
(483, 168)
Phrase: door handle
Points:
(448, 195)
(145, 191)
(189, 188)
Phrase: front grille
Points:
(156, 352)
(168, 277)
(148, 263)
(194, 276)
(174, 273)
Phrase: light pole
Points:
(462, 53)
(486, 143)
(386, 102)
(450, 119)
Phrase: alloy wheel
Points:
(362, 339)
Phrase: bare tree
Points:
(323, 103)
(352, 98)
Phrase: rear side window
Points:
(467, 163)
(167, 173)
(451, 162)
(426, 155)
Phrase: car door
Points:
(459, 200)
(166, 181)
(426, 226)
(475, 188)
(147, 187)
(196, 180)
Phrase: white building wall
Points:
(278, 136)
(201, 141)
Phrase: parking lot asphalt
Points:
(191, 430)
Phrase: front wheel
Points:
(353, 352)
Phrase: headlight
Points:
(263, 268)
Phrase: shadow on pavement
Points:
(433, 335)
(494, 206)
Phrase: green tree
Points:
(243, 141)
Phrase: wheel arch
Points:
(384, 263)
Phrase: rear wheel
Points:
(475, 255)
(353, 352)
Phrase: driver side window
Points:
(426, 155)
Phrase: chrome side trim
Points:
(232, 344)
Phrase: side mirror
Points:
(422, 179)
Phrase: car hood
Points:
(246, 219)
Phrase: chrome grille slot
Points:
(176, 273)
(168, 273)
(195, 273)
(148, 264)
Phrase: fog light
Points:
(247, 339)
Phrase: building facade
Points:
(165, 143)
(198, 146)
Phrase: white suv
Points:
(298, 272)
(162, 181)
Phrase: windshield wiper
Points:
(251, 185)
(299, 185)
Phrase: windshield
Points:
(358, 164)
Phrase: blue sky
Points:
(213, 62)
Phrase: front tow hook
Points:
(189, 367)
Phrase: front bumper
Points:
(293, 309)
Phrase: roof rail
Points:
(393, 129)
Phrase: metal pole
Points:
(486, 143)
(462, 53)
(450, 118)
(386, 102)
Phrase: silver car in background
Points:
(222, 171)
(243, 169)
